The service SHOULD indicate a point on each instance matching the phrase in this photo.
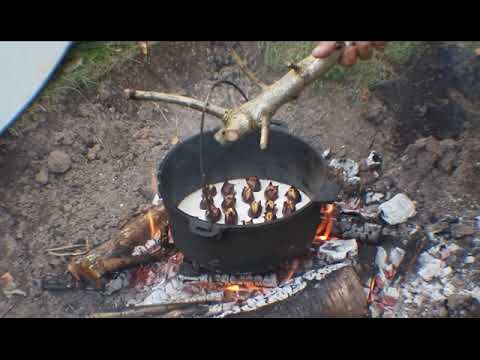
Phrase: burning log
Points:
(257, 112)
(339, 294)
(115, 254)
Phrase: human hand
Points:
(352, 50)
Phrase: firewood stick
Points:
(243, 66)
(115, 254)
(248, 116)
(151, 310)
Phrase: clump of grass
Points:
(362, 75)
(83, 66)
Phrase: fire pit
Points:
(254, 248)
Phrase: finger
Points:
(349, 56)
(379, 45)
(324, 49)
(364, 49)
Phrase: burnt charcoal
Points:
(293, 195)
(254, 183)
(247, 195)
(228, 189)
(270, 206)
(229, 202)
(270, 216)
(231, 216)
(288, 208)
(271, 192)
(255, 209)
(213, 213)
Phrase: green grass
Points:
(360, 76)
(85, 64)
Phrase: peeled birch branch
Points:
(257, 112)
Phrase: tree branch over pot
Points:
(256, 113)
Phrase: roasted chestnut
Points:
(271, 192)
(213, 213)
(227, 188)
(270, 206)
(247, 195)
(205, 202)
(269, 216)
(247, 222)
(231, 217)
(253, 183)
(293, 195)
(255, 209)
(229, 202)
(209, 191)
(288, 208)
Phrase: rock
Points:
(397, 210)
(469, 260)
(463, 306)
(93, 152)
(461, 230)
(59, 162)
(42, 176)
(430, 266)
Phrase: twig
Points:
(176, 99)
(67, 247)
(164, 117)
(150, 310)
(247, 71)
(5, 313)
(53, 253)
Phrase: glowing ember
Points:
(325, 227)
(293, 269)
(234, 288)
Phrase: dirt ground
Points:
(115, 144)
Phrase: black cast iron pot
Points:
(253, 248)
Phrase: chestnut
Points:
(269, 216)
(227, 188)
(247, 222)
(213, 213)
(288, 208)
(270, 206)
(231, 217)
(229, 202)
(271, 192)
(247, 195)
(205, 202)
(293, 195)
(253, 183)
(209, 191)
(255, 209)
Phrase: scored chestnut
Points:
(271, 192)
(270, 206)
(293, 195)
(209, 191)
(247, 195)
(227, 188)
(288, 208)
(270, 216)
(229, 202)
(247, 222)
(231, 217)
(205, 202)
(253, 183)
(213, 213)
(255, 209)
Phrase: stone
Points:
(59, 162)
(461, 230)
(42, 176)
(93, 152)
(469, 260)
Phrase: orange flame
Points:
(234, 288)
(325, 227)
(293, 269)
(154, 229)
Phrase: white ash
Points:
(469, 260)
(336, 250)
(396, 256)
(119, 282)
(397, 210)
(157, 200)
(191, 204)
(373, 197)
(349, 168)
(326, 154)
(373, 161)
(430, 266)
